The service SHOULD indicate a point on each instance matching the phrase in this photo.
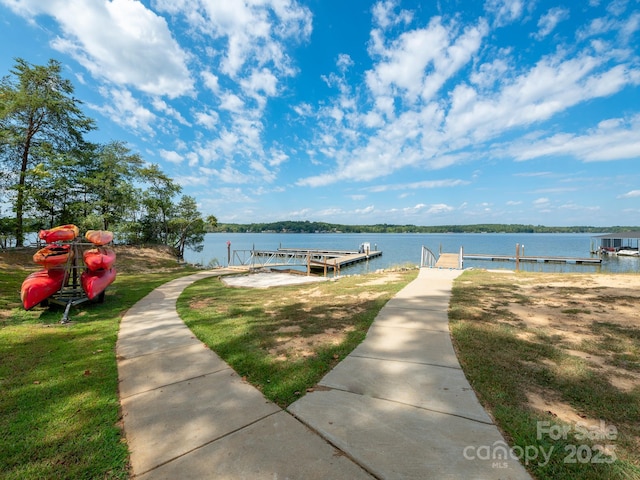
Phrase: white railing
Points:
(261, 259)
(427, 259)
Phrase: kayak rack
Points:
(71, 293)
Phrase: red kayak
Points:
(101, 258)
(53, 256)
(59, 234)
(99, 237)
(41, 285)
(94, 283)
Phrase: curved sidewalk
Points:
(398, 406)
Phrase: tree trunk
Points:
(20, 196)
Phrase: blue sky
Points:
(360, 112)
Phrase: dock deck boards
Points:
(316, 258)
(448, 260)
(346, 259)
(531, 259)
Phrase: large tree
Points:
(108, 183)
(158, 202)
(187, 227)
(38, 115)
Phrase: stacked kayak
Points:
(63, 233)
(40, 285)
(53, 256)
(101, 258)
(60, 261)
(99, 262)
(99, 237)
(96, 282)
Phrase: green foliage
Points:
(322, 227)
(59, 383)
(39, 116)
(52, 176)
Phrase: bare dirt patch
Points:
(388, 277)
(594, 318)
(295, 347)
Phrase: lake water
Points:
(402, 249)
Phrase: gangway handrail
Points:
(263, 258)
(427, 258)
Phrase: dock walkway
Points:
(533, 259)
(448, 260)
(311, 258)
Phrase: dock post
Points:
(308, 264)
(461, 258)
(517, 257)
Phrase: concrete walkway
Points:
(398, 407)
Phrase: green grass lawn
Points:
(59, 388)
(522, 337)
(283, 340)
(59, 383)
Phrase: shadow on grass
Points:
(279, 343)
(59, 383)
(505, 368)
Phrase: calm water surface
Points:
(402, 249)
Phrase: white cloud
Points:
(439, 209)
(551, 86)
(405, 120)
(344, 62)
(171, 156)
(550, 20)
(120, 41)
(419, 62)
(191, 180)
(365, 211)
(631, 194)
(385, 17)
(231, 102)
(614, 139)
(260, 81)
(277, 157)
(504, 11)
(162, 106)
(210, 81)
(303, 109)
(256, 33)
(488, 74)
(425, 184)
(208, 119)
(124, 109)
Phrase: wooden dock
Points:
(452, 260)
(531, 259)
(345, 259)
(448, 260)
(313, 259)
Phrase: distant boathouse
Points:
(614, 242)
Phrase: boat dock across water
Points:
(456, 260)
(532, 259)
(313, 259)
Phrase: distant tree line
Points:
(322, 227)
(51, 175)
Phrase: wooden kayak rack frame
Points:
(71, 293)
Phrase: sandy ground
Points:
(570, 311)
(270, 279)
